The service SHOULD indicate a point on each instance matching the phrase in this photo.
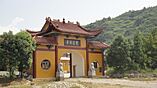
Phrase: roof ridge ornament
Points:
(56, 20)
(70, 22)
(77, 23)
(48, 19)
(63, 20)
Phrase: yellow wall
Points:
(62, 37)
(96, 57)
(40, 56)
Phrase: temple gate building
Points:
(68, 43)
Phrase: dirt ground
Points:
(115, 83)
(82, 83)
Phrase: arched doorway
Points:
(73, 64)
(77, 65)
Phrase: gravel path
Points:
(84, 83)
(80, 83)
(139, 84)
(61, 84)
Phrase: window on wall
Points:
(71, 42)
(45, 64)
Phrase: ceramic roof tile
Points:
(45, 40)
(97, 44)
(73, 28)
(64, 27)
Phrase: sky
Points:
(16, 15)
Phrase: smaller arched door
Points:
(77, 65)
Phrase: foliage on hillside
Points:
(139, 54)
(127, 24)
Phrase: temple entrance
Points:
(65, 60)
(73, 65)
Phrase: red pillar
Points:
(103, 69)
(56, 55)
(34, 64)
(87, 56)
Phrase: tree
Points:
(1, 56)
(154, 50)
(26, 46)
(119, 55)
(16, 51)
(151, 49)
(138, 51)
(8, 52)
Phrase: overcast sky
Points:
(30, 14)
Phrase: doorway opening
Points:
(73, 65)
(65, 60)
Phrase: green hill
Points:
(126, 24)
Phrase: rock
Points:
(117, 75)
(32, 83)
(30, 78)
(154, 75)
(125, 77)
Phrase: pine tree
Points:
(151, 49)
(154, 50)
(138, 51)
(119, 55)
